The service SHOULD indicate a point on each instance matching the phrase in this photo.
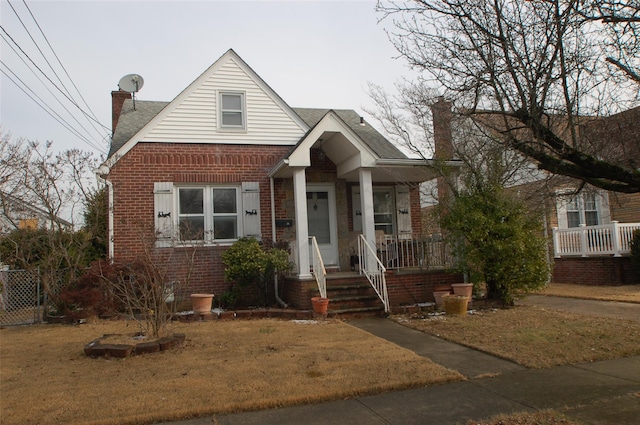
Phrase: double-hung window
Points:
(208, 213)
(232, 111)
(585, 208)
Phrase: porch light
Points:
(321, 155)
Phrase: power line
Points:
(103, 132)
(64, 68)
(46, 76)
(47, 88)
(49, 111)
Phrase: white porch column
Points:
(302, 228)
(368, 221)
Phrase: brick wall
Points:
(413, 288)
(133, 177)
(594, 271)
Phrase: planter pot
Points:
(437, 295)
(201, 303)
(455, 304)
(320, 305)
(442, 288)
(465, 289)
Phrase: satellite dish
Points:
(131, 83)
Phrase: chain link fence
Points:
(20, 297)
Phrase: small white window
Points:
(232, 111)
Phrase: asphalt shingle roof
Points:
(131, 121)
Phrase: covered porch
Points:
(346, 202)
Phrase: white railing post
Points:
(583, 240)
(615, 239)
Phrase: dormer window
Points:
(232, 111)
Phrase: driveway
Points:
(613, 309)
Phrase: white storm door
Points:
(321, 220)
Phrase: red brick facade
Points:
(134, 175)
(595, 271)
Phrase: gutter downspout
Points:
(273, 238)
(100, 174)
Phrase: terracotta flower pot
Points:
(437, 295)
(455, 304)
(465, 289)
(201, 303)
(320, 305)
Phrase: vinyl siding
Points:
(196, 118)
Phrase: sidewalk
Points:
(604, 393)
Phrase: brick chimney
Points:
(117, 100)
(443, 144)
(441, 112)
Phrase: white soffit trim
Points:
(331, 122)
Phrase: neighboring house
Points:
(18, 214)
(589, 229)
(229, 158)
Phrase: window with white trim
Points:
(586, 208)
(208, 213)
(232, 111)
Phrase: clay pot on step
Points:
(320, 305)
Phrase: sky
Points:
(312, 53)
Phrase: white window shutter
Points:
(251, 209)
(561, 210)
(602, 205)
(163, 213)
(357, 209)
(403, 212)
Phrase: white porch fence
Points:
(371, 266)
(585, 241)
(318, 271)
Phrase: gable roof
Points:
(143, 122)
(191, 116)
(369, 135)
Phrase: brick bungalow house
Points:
(229, 158)
(589, 229)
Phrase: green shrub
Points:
(249, 262)
(498, 239)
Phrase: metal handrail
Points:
(319, 271)
(374, 270)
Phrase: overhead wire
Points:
(45, 86)
(42, 104)
(63, 68)
(23, 54)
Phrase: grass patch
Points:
(224, 367)
(624, 293)
(535, 337)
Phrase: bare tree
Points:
(36, 182)
(540, 74)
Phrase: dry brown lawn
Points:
(224, 366)
(535, 337)
(542, 417)
(625, 293)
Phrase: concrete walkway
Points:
(603, 393)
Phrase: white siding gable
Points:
(192, 117)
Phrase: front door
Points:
(321, 219)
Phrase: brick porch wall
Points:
(406, 288)
(594, 271)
